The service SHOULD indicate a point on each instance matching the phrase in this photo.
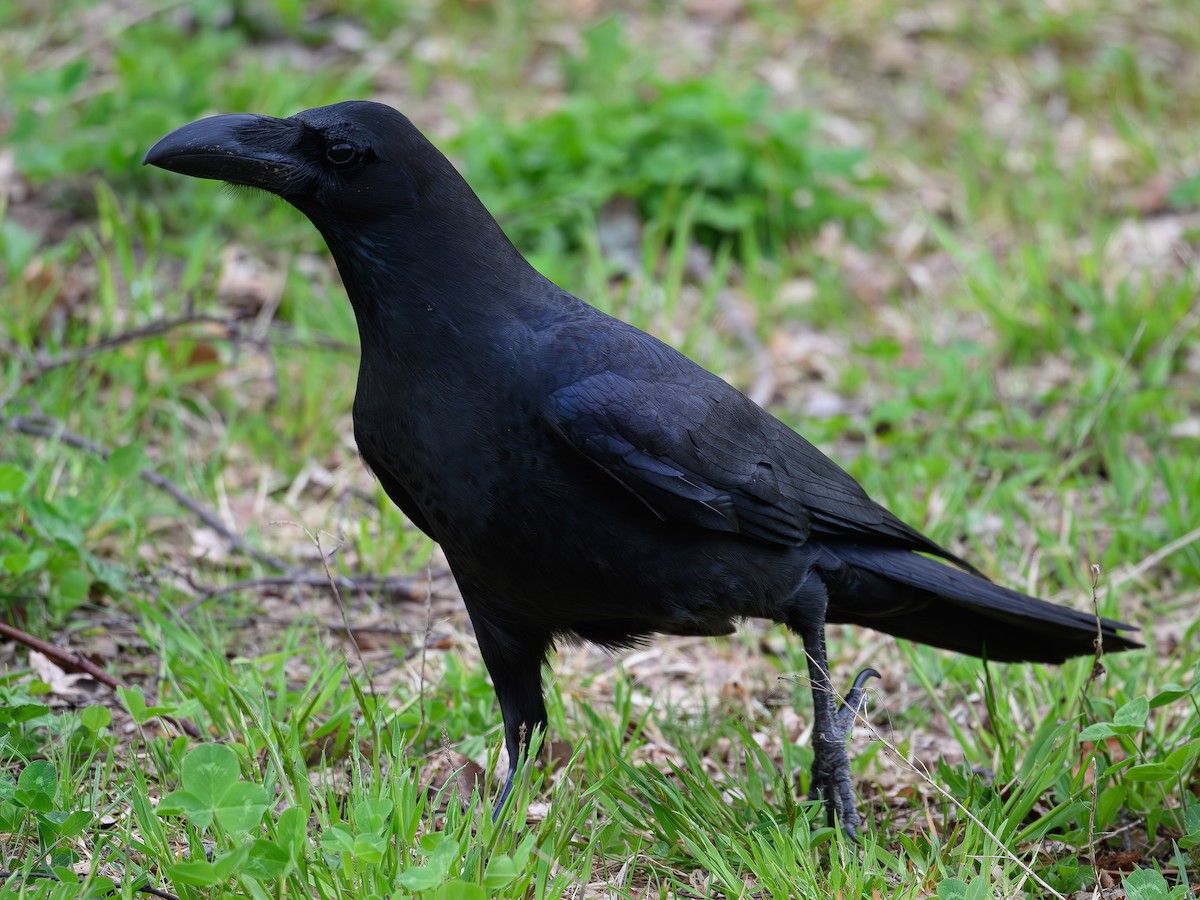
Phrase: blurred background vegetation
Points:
(954, 244)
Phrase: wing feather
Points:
(670, 449)
(693, 449)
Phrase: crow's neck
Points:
(431, 295)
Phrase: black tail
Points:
(915, 597)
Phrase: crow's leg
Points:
(516, 669)
(832, 725)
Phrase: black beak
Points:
(258, 151)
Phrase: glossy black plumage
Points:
(583, 478)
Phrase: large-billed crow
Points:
(584, 478)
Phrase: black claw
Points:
(853, 703)
(862, 677)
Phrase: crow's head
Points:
(357, 160)
(389, 204)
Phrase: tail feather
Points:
(918, 598)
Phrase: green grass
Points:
(1016, 380)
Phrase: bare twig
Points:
(337, 599)
(50, 876)
(919, 767)
(341, 605)
(284, 334)
(49, 428)
(141, 333)
(1155, 558)
(409, 587)
(135, 13)
(331, 627)
(1092, 829)
(1098, 641)
(69, 661)
(263, 331)
(65, 659)
(425, 638)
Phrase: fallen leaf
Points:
(62, 684)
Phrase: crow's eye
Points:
(342, 154)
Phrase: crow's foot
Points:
(831, 763)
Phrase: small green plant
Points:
(214, 798)
(696, 150)
(377, 842)
(1149, 884)
(44, 553)
(958, 889)
(1150, 761)
(39, 821)
(61, 123)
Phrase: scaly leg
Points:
(832, 726)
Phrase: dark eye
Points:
(342, 154)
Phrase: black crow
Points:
(584, 479)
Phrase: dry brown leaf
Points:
(63, 685)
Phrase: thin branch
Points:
(425, 638)
(50, 876)
(409, 587)
(262, 333)
(1098, 640)
(339, 602)
(48, 428)
(66, 660)
(332, 627)
(99, 37)
(1092, 828)
(1155, 558)
(922, 771)
(919, 767)
(69, 661)
(156, 892)
(284, 334)
(141, 333)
